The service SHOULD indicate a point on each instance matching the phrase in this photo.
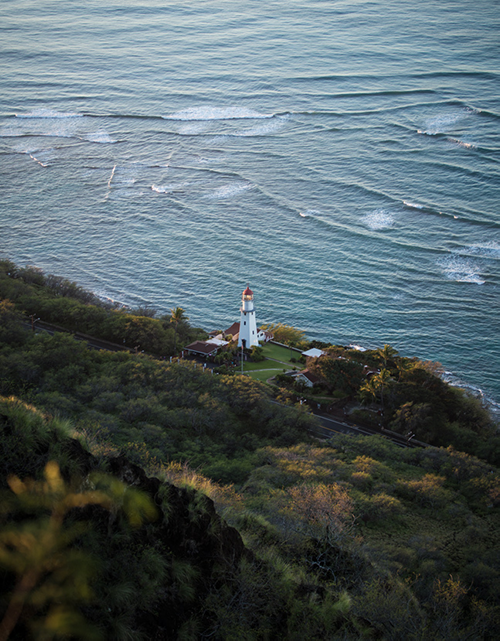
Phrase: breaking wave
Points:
(413, 205)
(463, 143)
(98, 136)
(168, 189)
(490, 249)
(216, 113)
(49, 113)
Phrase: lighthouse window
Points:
(244, 322)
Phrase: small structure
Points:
(308, 378)
(204, 348)
(314, 352)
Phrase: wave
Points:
(383, 92)
(488, 75)
(193, 128)
(216, 113)
(37, 160)
(463, 143)
(99, 136)
(49, 113)
(413, 205)
(263, 129)
(228, 191)
(461, 269)
(490, 404)
(379, 219)
(490, 249)
(309, 213)
(168, 189)
(441, 123)
(427, 209)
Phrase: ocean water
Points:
(341, 157)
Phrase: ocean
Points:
(341, 157)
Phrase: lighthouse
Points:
(248, 325)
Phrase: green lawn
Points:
(263, 375)
(263, 365)
(282, 354)
(263, 370)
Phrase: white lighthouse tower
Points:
(248, 324)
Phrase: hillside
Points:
(246, 527)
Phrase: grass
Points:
(263, 370)
(282, 354)
(249, 367)
(263, 375)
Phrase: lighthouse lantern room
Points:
(248, 324)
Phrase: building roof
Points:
(233, 330)
(248, 292)
(313, 353)
(311, 377)
(202, 347)
(219, 342)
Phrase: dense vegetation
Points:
(408, 396)
(57, 300)
(346, 539)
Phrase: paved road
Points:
(94, 343)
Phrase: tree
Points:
(339, 373)
(286, 334)
(386, 353)
(382, 380)
(177, 317)
(368, 391)
(414, 417)
(10, 323)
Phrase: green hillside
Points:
(191, 505)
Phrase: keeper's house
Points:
(204, 348)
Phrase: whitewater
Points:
(342, 157)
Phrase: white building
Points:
(248, 334)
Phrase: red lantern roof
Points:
(248, 292)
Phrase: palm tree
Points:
(177, 317)
(381, 381)
(386, 353)
(404, 365)
(368, 391)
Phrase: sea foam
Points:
(378, 219)
(461, 269)
(413, 205)
(264, 129)
(443, 123)
(228, 191)
(215, 113)
(489, 249)
(167, 189)
(98, 136)
(49, 113)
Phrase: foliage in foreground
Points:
(352, 539)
